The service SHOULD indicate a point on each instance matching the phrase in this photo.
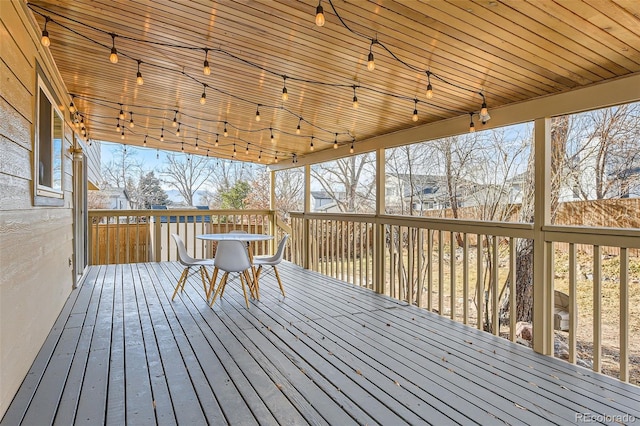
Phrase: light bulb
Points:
(247, 151)
(484, 112)
(257, 115)
(139, 79)
(206, 69)
(371, 65)
(122, 134)
(121, 114)
(415, 115)
(216, 144)
(131, 124)
(355, 102)
(335, 142)
(234, 150)
(72, 107)
(114, 56)
(351, 149)
(225, 130)
(196, 144)
(118, 127)
(162, 135)
(319, 16)
(298, 128)
(174, 123)
(203, 99)
(260, 156)
(45, 38)
(275, 159)
(429, 91)
(285, 95)
(178, 131)
(144, 143)
(311, 145)
(472, 127)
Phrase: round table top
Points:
(235, 237)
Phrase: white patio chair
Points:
(231, 257)
(189, 262)
(272, 261)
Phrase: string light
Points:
(182, 146)
(371, 65)
(216, 144)
(121, 113)
(118, 126)
(415, 110)
(114, 52)
(178, 130)
(319, 14)
(298, 128)
(355, 98)
(285, 95)
(122, 134)
(351, 149)
(234, 150)
(162, 134)
(225, 130)
(144, 142)
(484, 112)
(72, 106)
(174, 123)
(472, 127)
(207, 152)
(335, 142)
(260, 156)
(46, 42)
(206, 70)
(275, 159)
(311, 148)
(203, 98)
(139, 79)
(131, 123)
(258, 113)
(247, 151)
(429, 87)
(271, 130)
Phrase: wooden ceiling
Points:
(510, 50)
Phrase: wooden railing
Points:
(129, 236)
(464, 270)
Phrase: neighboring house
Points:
(325, 203)
(112, 198)
(421, 192)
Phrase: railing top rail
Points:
(613, 237)
(356, 217)
(175, 212)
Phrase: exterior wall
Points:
(36, 243)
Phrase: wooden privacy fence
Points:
(130, 236)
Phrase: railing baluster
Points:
(512, 289)
(624, 315)
(430, 269)
(420, 241)
(495, 320)
(452, 272)
(441, 272)
(597, 308)
(479, 282)
(573, 304)
(465, 279)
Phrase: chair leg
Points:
(252, 285)
(278, 277)
(181, 281)
(212, 282)
(244, 289)
(223, 283)
(204, 274)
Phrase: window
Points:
(48, 149)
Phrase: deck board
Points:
(329, 353)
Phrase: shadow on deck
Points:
(329, 353)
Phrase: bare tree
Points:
(352, 176)
(224, 174)
(123, 166)
(289, 186)
(187, 174)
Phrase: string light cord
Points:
(253, 64)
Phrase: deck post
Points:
(306, 242)
(379, 239)
(272, 206)
(542, 279)
(157, 241)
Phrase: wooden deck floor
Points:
(329, 353)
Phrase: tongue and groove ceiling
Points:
(506, 51)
